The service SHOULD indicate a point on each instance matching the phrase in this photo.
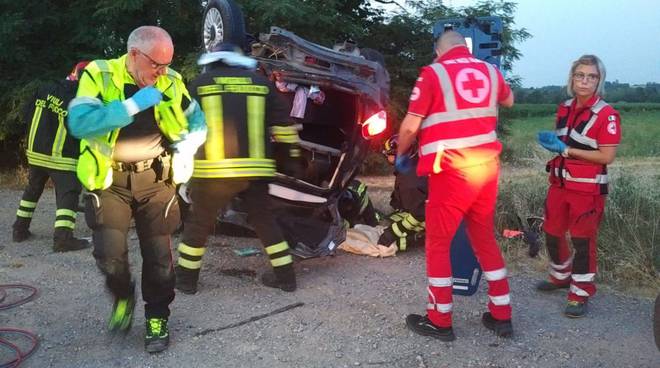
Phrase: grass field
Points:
(629, 239)
(641, 134)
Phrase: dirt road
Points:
(348, 312)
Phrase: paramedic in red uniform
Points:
(454, 106)
(587, 132)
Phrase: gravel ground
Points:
(348, 311)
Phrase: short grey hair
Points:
(587, 60)
(143, 38)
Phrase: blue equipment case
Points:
(465, 269)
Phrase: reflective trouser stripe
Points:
(587, 277)
(397, 231)
(281, 261)
(577, 291)
(558, 267)
(190, 257)
(500, 299)
(440, 281)
(27, 204)
(66, 218)
(191, 251)
(285, 134)
(65, 212)
(65, 223)
(442, 308)
(25, 214)
(495, 275)
(279, 247)
(193, 265)
(560, 272)
(403, 244)
(279, 254)
(559, 275)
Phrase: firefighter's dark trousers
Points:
(67, 192)
(153, 205)
(209, 196)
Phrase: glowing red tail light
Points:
(376, 124)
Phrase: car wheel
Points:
(223, 22)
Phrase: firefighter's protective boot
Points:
(157, 336)
(20, 230)
(282, 277)
(121, 318)
(186, 279)
(64, 241)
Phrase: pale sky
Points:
(625, 34)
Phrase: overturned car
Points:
(338, 97)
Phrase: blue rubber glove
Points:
(403, 164)
(143, 99)
(549, 141)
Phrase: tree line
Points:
(42, 40)
(614, 92)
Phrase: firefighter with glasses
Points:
(243, 113)
(587, 133)
(139, 130)
(52, 153)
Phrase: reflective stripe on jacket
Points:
(105, 85)
(448, 138)
(244, 118)
(48, 143)
(578, 175)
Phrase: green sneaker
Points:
(575, 309)
(121, 318)
(157, 337)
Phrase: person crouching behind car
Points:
(240, 106)
(407, 200)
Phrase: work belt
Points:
(157, 163)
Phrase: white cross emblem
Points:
(472, 85)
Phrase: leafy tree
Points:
(406, 41)
(41, 40)
(321, 21)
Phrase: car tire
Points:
(223, 22)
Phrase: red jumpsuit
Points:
(457, 97)
(576, 197)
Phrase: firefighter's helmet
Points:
(392, 143)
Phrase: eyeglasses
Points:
(588, 77)
(154, 64)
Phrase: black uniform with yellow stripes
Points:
(408, 201)
(51, 153)
(243, 114)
